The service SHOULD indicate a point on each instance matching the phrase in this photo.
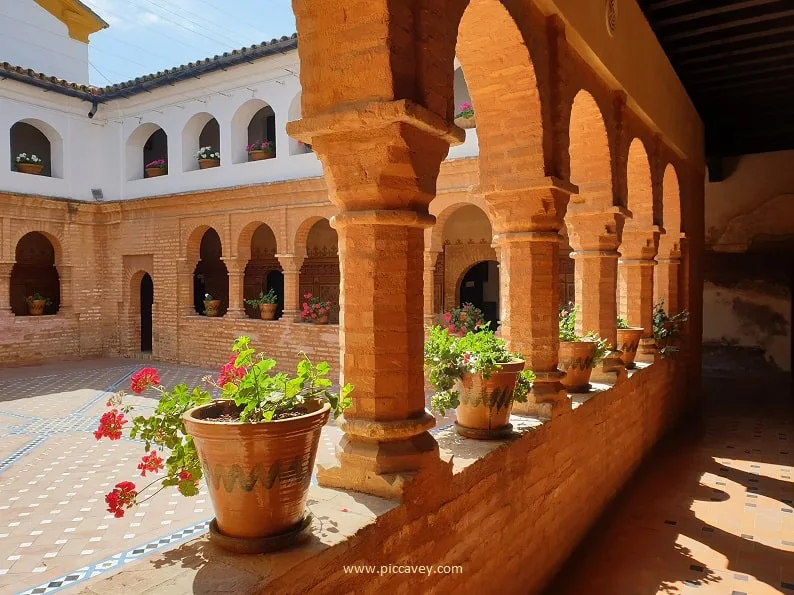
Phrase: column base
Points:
(235, 314)
(647, 350)
(611, 369)
(547, 399)
(380, 468)
(290, 316)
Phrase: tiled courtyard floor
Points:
(54, 528)
(711, 513)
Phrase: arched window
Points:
(34, 275)
(254, 121)
(210, 276)
(147, 152)
(202, 130)
(480, 286)
(296, 147)
(320, 271)
(37, 144)
(260, 270)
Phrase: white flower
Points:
(19, 158)
(34, 158)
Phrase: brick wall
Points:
(512, 518)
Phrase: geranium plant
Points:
(465, 110)
(467, 318)
(157, 164)
(37, 297)
(315, 307)
(449, 357)
(261, 397)
(264, 298)
(667, 329)
(208, 153)
(31, 159)
(568, 333)
(262, 145)
(622, 323)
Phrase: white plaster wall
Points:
(33, 38)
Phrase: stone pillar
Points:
(381, 162)
(236, 272)
(291, 268)
(431, 256)
(527, 224)
(184, 272)
(635, 275)
(5, 289)
(666, 275)
(65, 278)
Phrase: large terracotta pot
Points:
(321, 319)
(257, 474)
(466, 122)
(267, 311)
(576, 360)
(485, 403)
(154, 172)
(208, 163)
(212, 308)
(30, 168)
(260, 155)
(628, 342)
(36, 307)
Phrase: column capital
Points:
(401, 217)
(639, 244)
(291, 262)
(537, 206)
(593, 231)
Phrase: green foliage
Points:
(466, 319)
(37, 297)
(667, 329)
(449, 357)
(568, 333)
(264, 298)
(622, 323)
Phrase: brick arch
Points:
(639, 185)
(35, 271)
(193, 244)
(53, 235)
(443, 210)
(590, 154)
(302, 233)
(502, 80)
(247, 234)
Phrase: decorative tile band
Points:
(18, 454)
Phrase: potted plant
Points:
(578, 355)
(156, 168)
(467, 318)
(29, 164)
(667, 330)
(208, 157)
(256, 445)
(477, 376)
(315, 310)
(212, 307)
(259, 150)
(465, 116)
(267, 304)
(628, 341)
(36, 304)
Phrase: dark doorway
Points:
(147, 300)
(480, 287)
(275, 281)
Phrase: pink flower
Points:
(230, 373)
(447, 317)
(465, 106)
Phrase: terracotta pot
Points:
(321, 319)
(257, 474)
(212, 308)
(154, 172)
(466, 122)
(628, 342)
(36, 307)
(485, 403)
(576, 360)
(208, 163)
(260, 155)
(267, 311)
(30, 168)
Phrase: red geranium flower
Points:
(121, 498)
(143, 379)
(151, 462)
(110, 425)
(230, 373)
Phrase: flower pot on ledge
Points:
(320, 319)
(267, 311)
(628, 343)
(212, 308)
(208, 163)
(36, 307)
(576, 360)
(258, 474)
(260, 155)
(154, 172)
(466, 123)
(485, 403)
(30, 168)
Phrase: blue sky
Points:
(150, 35)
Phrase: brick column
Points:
(5, 289)
(291, 268)
(431, 256)
(65, 279)
(381, 162)
(236, 272)
(666, 275)
(184, 273)
(527, 224)
(635, 275)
